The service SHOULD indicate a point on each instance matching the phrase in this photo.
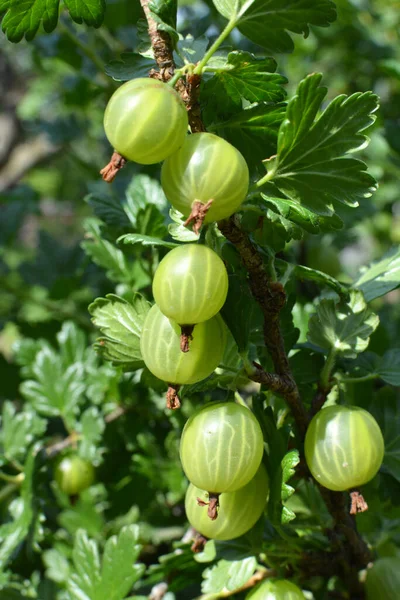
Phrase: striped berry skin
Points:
(238, 511)
(344, 447)
(161, 352)
(276, 589)
(74, 474)
(206, 167)
(221, 447)
(383, 580)
(190, 284)
(146, 120)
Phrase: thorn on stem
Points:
(173, 400)
(186, 337)
(198, 214)
(358, 504)
(116, 163)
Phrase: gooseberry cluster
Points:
(203, 176)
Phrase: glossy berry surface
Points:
(161, 352)
(221, 447)
(206, 167)
(238, 511)
(344, 447)
(276, 589)
(146, 120)
(74, 474)
(383, 580)
(190, 284)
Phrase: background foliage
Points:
(67, 238)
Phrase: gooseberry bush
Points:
(199, 308)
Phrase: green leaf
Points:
(381, 276)
(178, 231)
(150, 221)
(121, 323)
(240, 312)
(24, 19)
(113, 577)
(243, 75)
(312, 166)
(308, 220)
(105, 254)
(90, 427)
(344, 328)
(190, 48)
(266, 22)
(390, 423)
(227, 576)
(13, 533)
(145, 240)
(55, 391)
(109, 209)
(271, 230)
(253, 131)
(142, 191)
(305, 273)
(164, 14)
(129, 66)
(57, 565)
(289, 462)
(72, 343)
(90, 12)
(18, 430)
(389, 367)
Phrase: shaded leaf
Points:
(121, 323)
(344, 328)
(145, 240)
(18, 431)
(381, 276)
(266, 22)
(129, 66)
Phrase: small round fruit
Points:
(206, 168)
(344, 447)
(74, 474)
(238, 511)
(383, 580)
(146, 120)
(276, 589)
(190, 284)
(221, 447)
(161, 350)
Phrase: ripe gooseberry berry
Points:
(344, 447)
(145, 120)
(238, 511)
(221, 447)
(190, 284)
(74, 474)
(383, 580)
(276, 589)
(160, 348)
(205, 168)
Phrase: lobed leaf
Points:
(18, 431)
(121, 323)
(23, 19)
(227, 576)
(381, 276)
(266, 22)
(344, 328)
(312, 166)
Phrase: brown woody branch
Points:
(270, 295)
